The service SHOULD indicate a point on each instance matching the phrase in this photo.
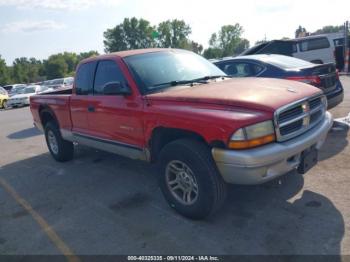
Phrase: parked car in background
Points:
(68, 82)
(323, 76)
(203, 129)
(59, 83)
(319, 49)
(3, 97)
(22, 99)
(17, 89)
(43, 89)
(14, 88)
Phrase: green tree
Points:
(212, 52)
(71, 60)
(131, 34)
(227, 40)
(195, 47)
(173, 33)
(26, 70)
(260, 41)
(329, 29)
(85, 55)
(5, 77)
(56, 66)
(242, 45)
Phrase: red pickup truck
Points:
(176, 109)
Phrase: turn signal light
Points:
(252, 142)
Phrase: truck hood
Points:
(253, 93)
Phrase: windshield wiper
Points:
(172, 83)
(184, 82)
(206, 78)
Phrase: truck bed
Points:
(59, 103)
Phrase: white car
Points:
(15, 89)
(22, 99)
(319, 49)
(44, 89)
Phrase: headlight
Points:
(324, 101)
(253, 136)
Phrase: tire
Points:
(60, 149)
(195, 158)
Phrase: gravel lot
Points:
(100, 203)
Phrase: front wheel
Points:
(189, 179)
(60, 149)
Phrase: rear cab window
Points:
(84, 78)
(107, 72)
(314, 44)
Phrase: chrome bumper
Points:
(259, 165)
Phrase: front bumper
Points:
(259, 165)
(11, 103)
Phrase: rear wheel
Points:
(60, 149)
(189, 179)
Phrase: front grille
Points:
(315, 102)
(295, 119)
(290, 114)
(295, 126)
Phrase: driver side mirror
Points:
(116, 88)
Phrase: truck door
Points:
(115, 119)
(80, 100)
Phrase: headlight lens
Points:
(253, 136)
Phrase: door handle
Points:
(91, 108)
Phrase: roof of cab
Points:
(128, 53)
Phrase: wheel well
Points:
(46, 115)
(162, 136)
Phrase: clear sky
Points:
(38, 28)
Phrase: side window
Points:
(85, 78)
(230, 69)
(257, 69)
(279, 47)
(107, 71)
(241, 69)
(314, 44)
(339, 42)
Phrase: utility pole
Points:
(346, 47)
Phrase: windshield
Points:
(57, 82)
(159, 70)
(17, 90)
(3, 91)
(69, 81)
(29, 90)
